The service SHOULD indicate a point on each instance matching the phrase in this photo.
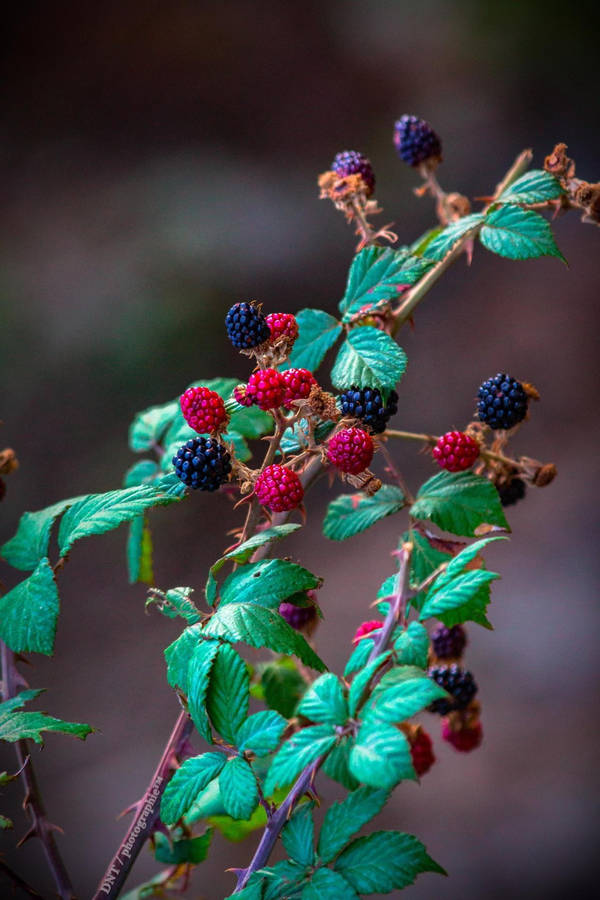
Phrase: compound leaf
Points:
(384, 861)
(517, 233)
(190, 778)
(368, 357)
(377, 276)
(29, 612)
(324, 701)
(300, 750)
(459, 502)
(344, 819)
(351, 514)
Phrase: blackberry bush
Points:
(261, 770)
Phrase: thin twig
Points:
(18, 881)
(33, 803)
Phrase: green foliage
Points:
(425, 558)
(350, 514)
(188, 850)
(368, 357)
(462, 599)
(324, 701)
(190, 778)
(149, 426)
(412, 646)
(384, 861)
(359, 685)
(397, 703)
(283, 686)
(175, 602)
(260, 627)
(317, 332)
(535, 186)
(243, 552)
(177, 656)
(139, 552)
(29, 612)
(459, 502)
(194, 681)
(337, 764)
(326, 884)
(377, 276)
(381, 756)
(261, 732)
(227, 697)
(518, 233)
(238, 788)
(300, 750)
(30, 543)
(16, 726)
(298, 836)
(266, 583)
(443, 243)
(342, 820)
(359, 656)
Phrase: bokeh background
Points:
(158, 163)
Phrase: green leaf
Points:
(298, 836)
(149, 426)
(351, 514)
(178, 654)
(5, 823)
(359, 656)
(443, 243)
(377, 276)
(266, 583)
(462, 559)
(228, 693)
(139, 552)
(295, 439)
(368, 357)
(397, 703)
(238, 788)
(250, 422)
(459, 502)
(361, 681)
(412, 645)
(381, 756)
(337, 764)
(283, 686)
(29, 612)
(188, 850)
(30, 543)
(243, 552)
(187, 782)
(98, 513)
(144, 470)
(175, 602)
(17, 726)
(418, 247)
(456, 594)
(260, 627)
(252, 891)
(171, 486)
(300, 750)
(517, 233)
(324, 701)
(328, 885)
(197, 677)
(283, 880)
(317, 332)
(425, 558)
(535, 186)
(344, 819)
(384, 861)
(261, 732)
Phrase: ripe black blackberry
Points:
(459, 683)
(502, 401)
(203, 464)
(511, 491)
(448, 643)
(246, 326)
(367, 404)
(416, 141)
(350, 162)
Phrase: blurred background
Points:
(159, 163)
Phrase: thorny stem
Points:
(278, 819)
(18, 881)
(33, 802)
(146, 815)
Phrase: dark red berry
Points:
(462, 739)
(282, 324)
(421, 750)
(298, 384)
(279, 488)
(448, 643)
(203, 410)
(365, 629)
(266, 388)
(350, 162)
(456, 451)
(350, 450)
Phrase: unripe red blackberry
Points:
(416, 141)
(502, 401)
(459, 683)
(266, 388)
(350, 450)
(282, 324)
(298, 384)
(366, 628)
(203, 464)
(421, 750)
(246, 326)
(279, 488)
(456, 451)
(367, 405)
(240, 393)
(464, 739)
(299, 617)
(448, 643)
(350, 162)
(510, 492)
(203, 410)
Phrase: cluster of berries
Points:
(461, 726)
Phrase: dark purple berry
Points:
(299, 616)
(416, 141)
(448, 643)
(246, 326)
(350, 162)
(502, 401)
(511, 491)
(459, 683)
(203, 464)
(368, 405)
